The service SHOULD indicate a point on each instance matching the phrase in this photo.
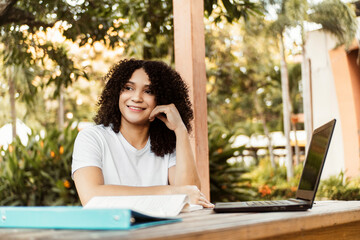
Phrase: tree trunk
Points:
(270, 147)
(307, 102)
(61, 109)
(171, 54)
(266, 130)
(297, 149)
(11, 82)
(286, 109)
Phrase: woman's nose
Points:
(137, 96)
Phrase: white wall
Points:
(325, 105)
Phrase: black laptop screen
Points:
(314, 159)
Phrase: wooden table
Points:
(326, 220)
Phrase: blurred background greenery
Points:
(54, 55)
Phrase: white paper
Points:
(191, 207)
(154, 205)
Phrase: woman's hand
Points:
(195, 195)
(169, 115)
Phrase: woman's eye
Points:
(148, 91)
(128, 88)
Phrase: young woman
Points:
(140, 145)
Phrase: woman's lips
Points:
(134, 108)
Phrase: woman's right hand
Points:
(195, 195)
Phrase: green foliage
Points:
(271, 183)
(337, 18)
(294, 82)
(246, 88)
(296, 9)
(39, 174)
(226, 179)
(149, 35)
(22, 76)
(338, 188)
(83, 19)
(20, 21)
(232, 10)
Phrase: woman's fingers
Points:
(168, 114)
(202, 200)
(195, 195)
(205, 203)
(161, 112)
(157, 111)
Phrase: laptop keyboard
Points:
(272, 203)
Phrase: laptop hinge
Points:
(302, 199)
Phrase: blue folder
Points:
(77, 218)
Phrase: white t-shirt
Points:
(120, 162)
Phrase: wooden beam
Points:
(190, 63)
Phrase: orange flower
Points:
(264, 190)
(52, 154)
(42, 144)
(293, 189)
(11, 148)
(61, 150)
(67, 184)
(220, 150)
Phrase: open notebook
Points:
(308, 185)
(151, 205)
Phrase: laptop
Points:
(308, 184)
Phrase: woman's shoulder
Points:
(96, 130)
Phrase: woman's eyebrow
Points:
(146, 85)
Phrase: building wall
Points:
(324, 101)
(336, 92)
(346, 78)
(353, 57)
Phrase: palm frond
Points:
(337, 18)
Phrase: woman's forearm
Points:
(89, 182)
(186, 170)
(120, 190)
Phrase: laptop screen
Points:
(314, 161)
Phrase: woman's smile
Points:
(136, 109)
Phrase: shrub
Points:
(39, 174)
(271, 183)
(338, 188)
(227, 182)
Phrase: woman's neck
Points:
(136, 136)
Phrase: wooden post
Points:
(190, 63)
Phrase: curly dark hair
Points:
(167, 86)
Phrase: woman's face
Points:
(136, 100)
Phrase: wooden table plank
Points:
(343, 231)
(326, 218)
(257, 225)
